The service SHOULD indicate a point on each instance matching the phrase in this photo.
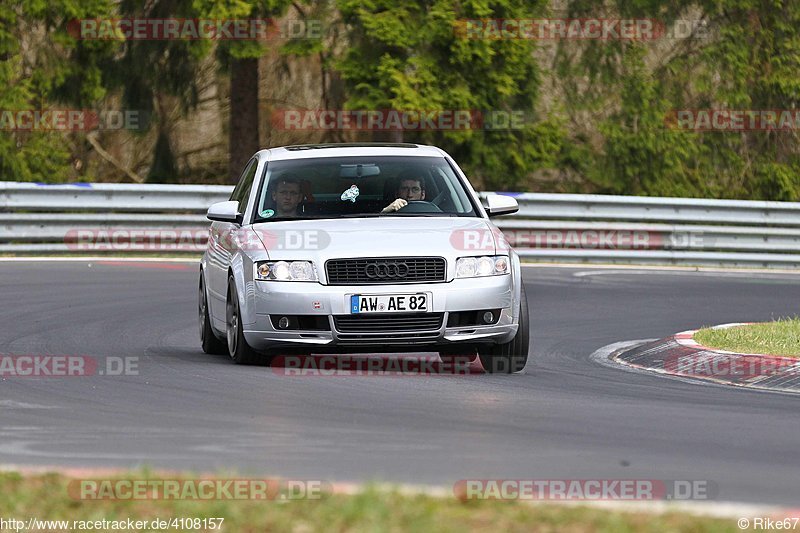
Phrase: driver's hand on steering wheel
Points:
(395, 206)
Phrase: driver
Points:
(411, 188)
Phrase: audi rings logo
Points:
(386, 270)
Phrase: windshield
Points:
(352, 187)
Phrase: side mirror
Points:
(498, 204)
(225, 212)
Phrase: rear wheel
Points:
(238, 349)
(511, 356)
(211, 344)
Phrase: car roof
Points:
(308, 151)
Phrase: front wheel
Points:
(511, 356)
(238, 349)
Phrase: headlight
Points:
(487, 265)
(285, 271)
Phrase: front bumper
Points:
(298, 298)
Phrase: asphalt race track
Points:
(565, 417)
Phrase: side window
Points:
(242, 191)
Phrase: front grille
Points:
(387, 329)
(385, 270)
(382, 324)
(398, 339)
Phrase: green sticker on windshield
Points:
(266, 213)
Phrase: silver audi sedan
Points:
(345, 248)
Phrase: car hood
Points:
(323, 239)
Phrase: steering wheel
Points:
(420, 206)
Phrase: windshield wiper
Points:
(396, 214)
(276, 219)
(362, 215)
(282, 219)
(424, 214)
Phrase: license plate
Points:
(390, 303)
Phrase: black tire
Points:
(238, 349)
(208, 339)
(512, 356)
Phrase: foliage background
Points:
(596, 109)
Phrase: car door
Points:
(221, 245)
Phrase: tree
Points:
(167, 70)
(38, 68)
(411, 57)
(240, 59)
(744, 55)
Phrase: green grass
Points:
(781, 337)
(45, 496)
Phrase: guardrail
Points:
(112, 218)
